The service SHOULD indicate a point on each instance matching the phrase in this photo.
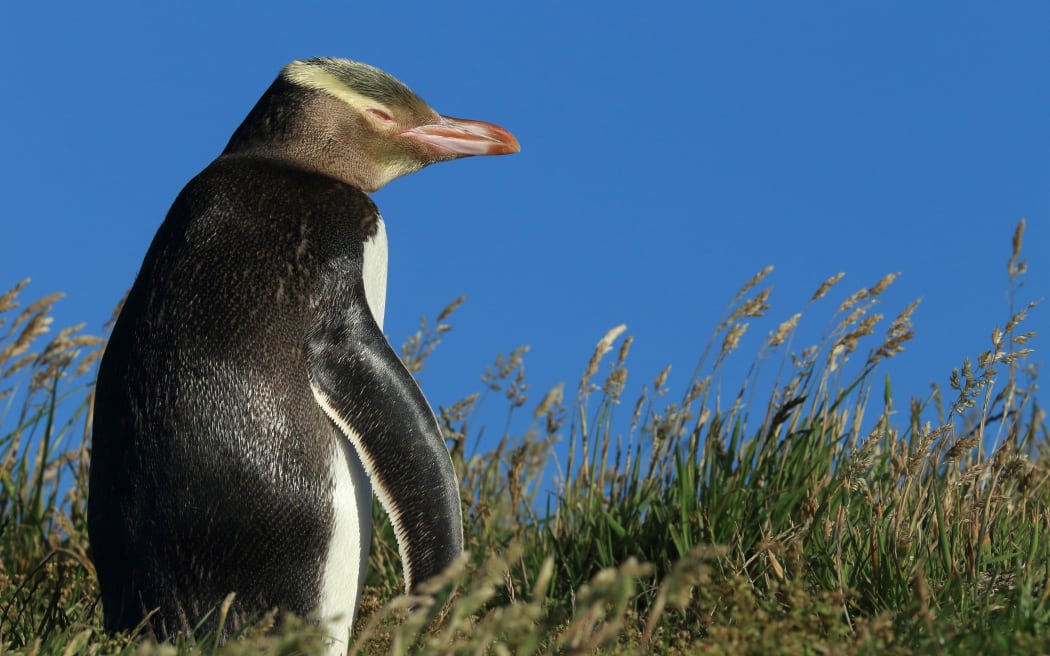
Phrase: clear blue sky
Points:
(669, 151)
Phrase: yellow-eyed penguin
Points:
(248, 402)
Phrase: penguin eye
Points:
(380, 115)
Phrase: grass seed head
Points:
(826, 286)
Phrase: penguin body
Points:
(248, 402)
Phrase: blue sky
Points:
(669, 151)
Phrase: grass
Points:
(823, 516)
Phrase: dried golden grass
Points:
(691, 525)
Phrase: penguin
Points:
(248, 403)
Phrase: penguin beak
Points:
(460, 137)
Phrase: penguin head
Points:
(355, 123)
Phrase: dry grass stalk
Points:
(899, 332)
(732, 339)
(417, 348)
(826, 286)
(777, 337)
(41, 306)
(755, 280)
(882, 284)
(603, 347)
(614, 384)
(1016, 266)
(8, 299)
(961, 447)
(617, 378)
(550, 400)
(752, 308)
(660, 382)
(39, 325)
(450, 308)
(852, 300)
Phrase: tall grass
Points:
(810, 511)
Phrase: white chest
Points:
(347, 560)
(374, 270)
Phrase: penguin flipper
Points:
(362, 385)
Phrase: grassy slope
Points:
(827, 518)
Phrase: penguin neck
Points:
(373, 270)
(311, 130)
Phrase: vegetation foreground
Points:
(824, 519)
